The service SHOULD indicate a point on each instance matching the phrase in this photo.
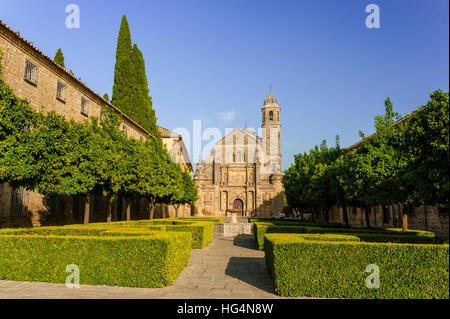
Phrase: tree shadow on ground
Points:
(245, 241)
(251, 270)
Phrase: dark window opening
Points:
(61, 91)
(31, 72)
(386, 215)
(84, 106)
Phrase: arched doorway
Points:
(238, 205)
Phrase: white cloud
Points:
(228, 116)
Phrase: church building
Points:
(243, 172)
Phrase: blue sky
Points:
(214, 60)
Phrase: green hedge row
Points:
(202, 231)
(337, 269)
(149, 259)
(293, 222)
(376, 235)
(204, 219)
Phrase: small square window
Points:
(142, 138)
(84, 106)
(125, 128)
(31, 72)
(61, 91)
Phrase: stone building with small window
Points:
(243, 171)
(32, 75)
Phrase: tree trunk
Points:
(426, 217)
(367, 214)
(327, 215)
(152, 208)
(87, 210)
(404, 219)
(165, 211)
(344, 211)
(177, 207)
(128, 209)
(301, 215)
(108, 212)
(314, 215)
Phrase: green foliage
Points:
(59, 58)
(364, 234)
(106, 97)
(130, 90)
(122, 89)
(405, 162)
(309, 181)
(202, 231)
(57, 157)
(323, 267)
(142, 110)
(148, 259)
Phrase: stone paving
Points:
(227, 268)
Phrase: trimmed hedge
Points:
(204, 219)
(202, 231)
(153, 259)
(293, 222)
(336, 269)
(376, 235)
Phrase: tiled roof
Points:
(165, 133)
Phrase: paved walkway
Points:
(227, 268)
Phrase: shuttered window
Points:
(61, 91)
(19, 202)
(31, 72)
(84, 106)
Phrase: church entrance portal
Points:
(238, 205)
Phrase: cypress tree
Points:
(122, 89)
(130, 90)
(59, 58)
(142, 101)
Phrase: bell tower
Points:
(271, 132)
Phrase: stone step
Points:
(232, 230)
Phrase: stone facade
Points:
(243, 171)
(19, 207)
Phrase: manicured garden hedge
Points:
(143, 253)
(293, 222)
(336, 269)
(202, 231)
(113, 258)
(375, 235)
(204, 219)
